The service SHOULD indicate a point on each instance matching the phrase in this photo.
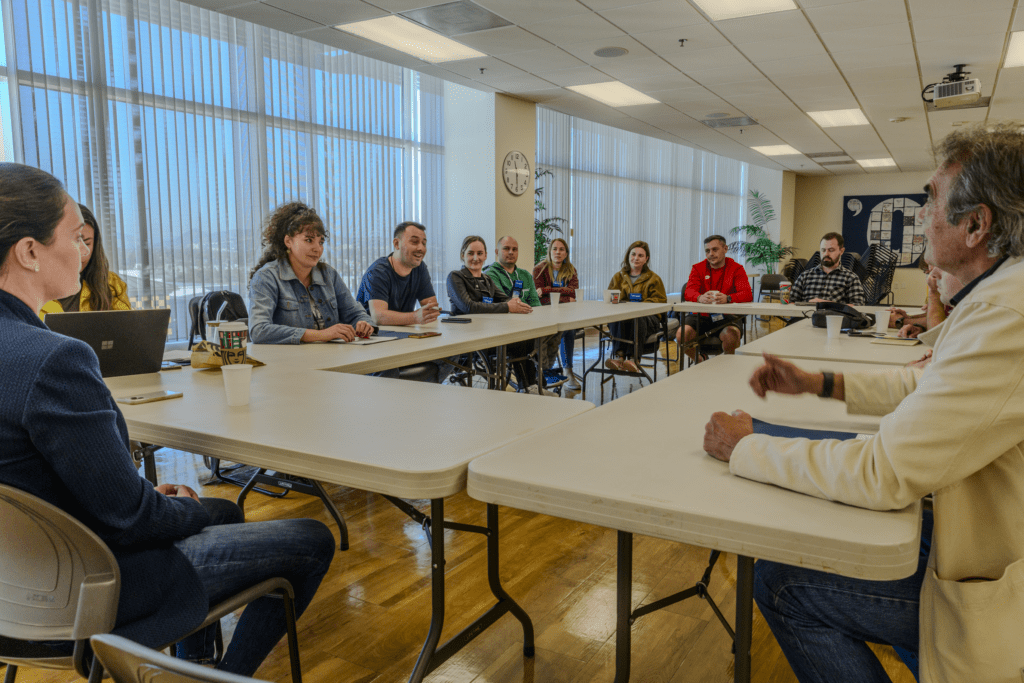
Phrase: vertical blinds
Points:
(181, 128)
(616, 187)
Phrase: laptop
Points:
(126, 342)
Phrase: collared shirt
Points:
(841, 286)
(959, 296)
(505, 281)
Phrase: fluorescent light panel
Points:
(614, 94)
(1015, 53)
(411, 38)
(875, 163)
(839, 117)
(732, 9)
(776, 150)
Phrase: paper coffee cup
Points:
(607, 296)
(835, 325)
(615, 296)
(578, 294)
(882, 322)
(237, 383)
(784, 288)
(233, 338)
(555, 296)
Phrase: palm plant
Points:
(763, 250)
(543, 228)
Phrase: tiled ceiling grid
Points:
(873, 55)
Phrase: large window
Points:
(181, 128)
(615, 187)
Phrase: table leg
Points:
(436, 591)
(537, 348)
(623, 606)
(744, 616)
(501, 367)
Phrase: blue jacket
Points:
(279, 310)
(63, 439)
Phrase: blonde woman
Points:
(557, 274)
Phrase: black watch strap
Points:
(828, 384)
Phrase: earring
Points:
(35, 266)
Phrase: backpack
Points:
(218, 305)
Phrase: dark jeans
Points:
(646, 326)
(230, 556)
(823, 622)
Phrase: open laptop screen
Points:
(126, 342)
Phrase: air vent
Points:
(825, 155)
(609, 52)
(836, 163)
(456, 18)
(733, 122)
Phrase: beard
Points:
(827, 261)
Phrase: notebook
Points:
(126, 342)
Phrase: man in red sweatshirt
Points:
(716, 280)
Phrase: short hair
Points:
(400, 228)
(991, 159)
(32, 204)
(468, 241)
(506, 237)
(716, 237)
(833, 236)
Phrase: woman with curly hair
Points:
(293, 297)
(101, 289)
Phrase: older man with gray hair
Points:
(958, 433)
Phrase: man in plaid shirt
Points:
(829, 281)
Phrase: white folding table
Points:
(803, 341)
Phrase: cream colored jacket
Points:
(957, 430)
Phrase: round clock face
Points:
(516, 172)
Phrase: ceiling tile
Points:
(926, 9)
(698, 37)
(655, 16)
(968, 24)
(514, 83)
(725, 74)
(706, 59)
(502, 41)
(869, 57)
(493, 67)
(265, 15)
(655, 84)
(856, 15)
(403, 5)
(548, 59)
(870, 37)
(755, 29)
(575, 29)
(881, 73)
(525, 12)
(581, 76)
(329, 12)
(796, 67)
(938, 57)
(585, 50)
(755, 87)
(640, 68)
(386, 54)
(830, 79)
(789, 48)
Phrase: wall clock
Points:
(515, 171)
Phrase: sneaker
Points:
(553, 379)
(535, 389)
(613, 364)
(629, 366)
(572, 383)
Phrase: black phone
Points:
(453, 319)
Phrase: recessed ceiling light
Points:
(839, 117)
(614, 94)
(776, 150)
(731, 9)
(874, 163)
(410, 38)
(1015, 52)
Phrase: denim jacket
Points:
(279, 310)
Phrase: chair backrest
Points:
(880, 267)
(221, 304)
(770, 283)
(128, 662)
(793, 268)
(58, 580)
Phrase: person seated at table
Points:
(393, 285)
(470, 291)
(556, 273)
(64, 440)
(955, 430)
(636, 282)
(101, 288)
(716, 280)
(293, 296)
(830, 280)
(942, 287)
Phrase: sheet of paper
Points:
(365, 342)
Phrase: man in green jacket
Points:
(510, 278)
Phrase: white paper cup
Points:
(607, 296)
(882, 322)
(578, 294)
(555, 296)
(835, 325)
(237, 381)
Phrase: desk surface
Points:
(763, 308)
(802, 340)
(406, 439)
(638, 465)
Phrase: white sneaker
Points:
(572, 383)
(535, 389)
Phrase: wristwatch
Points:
(828, 384)
(899, 323)
(728, 298)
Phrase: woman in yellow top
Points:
(101, 290)
(636, 282)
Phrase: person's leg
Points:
(390, 374)
(688, 335)
(823, 622)
(230, 558)
(730, 337)
(525, 370)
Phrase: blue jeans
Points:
(567, 344)
(823, 622)
(230, 556)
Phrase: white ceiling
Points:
(875, 55)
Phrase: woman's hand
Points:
(338, 331)
(364, 329)
(517, 305)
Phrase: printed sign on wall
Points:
(895, 221)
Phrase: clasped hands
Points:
(712, 298)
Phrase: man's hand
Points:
(910, 331)
(817, 300)
(783, 377)
(896, 314)
(724, 431)
(517, 305)
(364, 329)
(427, 314)
(177, 491)
(922, 361)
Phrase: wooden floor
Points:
(369, 618)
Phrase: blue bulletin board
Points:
(894, 220)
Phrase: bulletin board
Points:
(893, 220)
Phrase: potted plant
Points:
(543, 228)
(763, 250)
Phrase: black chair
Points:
(791, 271)
(649, 350)
(880, 266)
(770, 284)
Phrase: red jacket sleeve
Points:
(695, 285)
(741, 292)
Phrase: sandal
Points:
(629, 365)
(613, 364)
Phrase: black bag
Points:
(852, 318)
(220, 305)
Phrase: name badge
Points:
(488, 299)
(717, 317)
(558, 284)
(635, 296)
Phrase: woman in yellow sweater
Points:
(101, 290)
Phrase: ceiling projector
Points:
(955, 90)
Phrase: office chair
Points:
(60, 582)
(128, 662)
